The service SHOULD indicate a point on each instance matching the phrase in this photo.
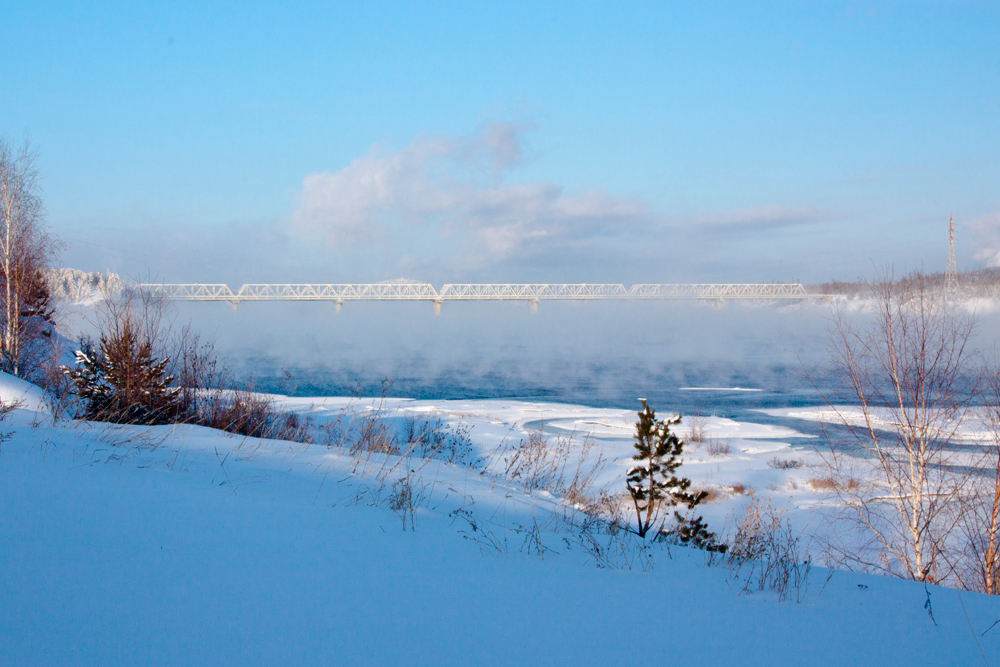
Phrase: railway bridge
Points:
(533, 293)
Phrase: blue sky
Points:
(564, 142)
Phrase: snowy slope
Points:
(15, 391)
(180, 545)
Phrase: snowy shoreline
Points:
(185, 545)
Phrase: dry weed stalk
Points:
(603, 532)
(478, 531)
(404, 498)
(765, 550)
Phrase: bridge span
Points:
(530, 292)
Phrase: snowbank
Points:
(26, 396)
(181, 545)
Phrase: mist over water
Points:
(679, 355)
(688, 357)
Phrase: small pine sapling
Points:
(121, 381)
(694, 533)
(652, 482)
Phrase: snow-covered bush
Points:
(123, 377)
(120, 381)
(138, 373)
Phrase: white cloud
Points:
(986, 229)
(759, 218)
(452, 188)
(451, 207)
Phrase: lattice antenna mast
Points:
(951, 273)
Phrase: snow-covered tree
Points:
(121, 379)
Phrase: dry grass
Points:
(247, 413)
(822, 483)
(404, 499)
(602, 532)
(711, 493)
(549, 464)
(404, 496)
(6, 409)
(373, 435)
(610, 508)
(830, 484)
(739, 489)
(433, 439)
(765, 550)
(379, 440)
(718, 447)
(367, 436)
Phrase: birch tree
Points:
(981, 518)
(25, 251)
(910, 370)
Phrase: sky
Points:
(515, 142)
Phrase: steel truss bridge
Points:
(532, 293)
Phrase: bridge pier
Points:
(437, 307)
(337, 304)
(234, 304)
(534, 305)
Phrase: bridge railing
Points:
(338, 292)
(720, 291)
(190, 291)
(533, 292)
